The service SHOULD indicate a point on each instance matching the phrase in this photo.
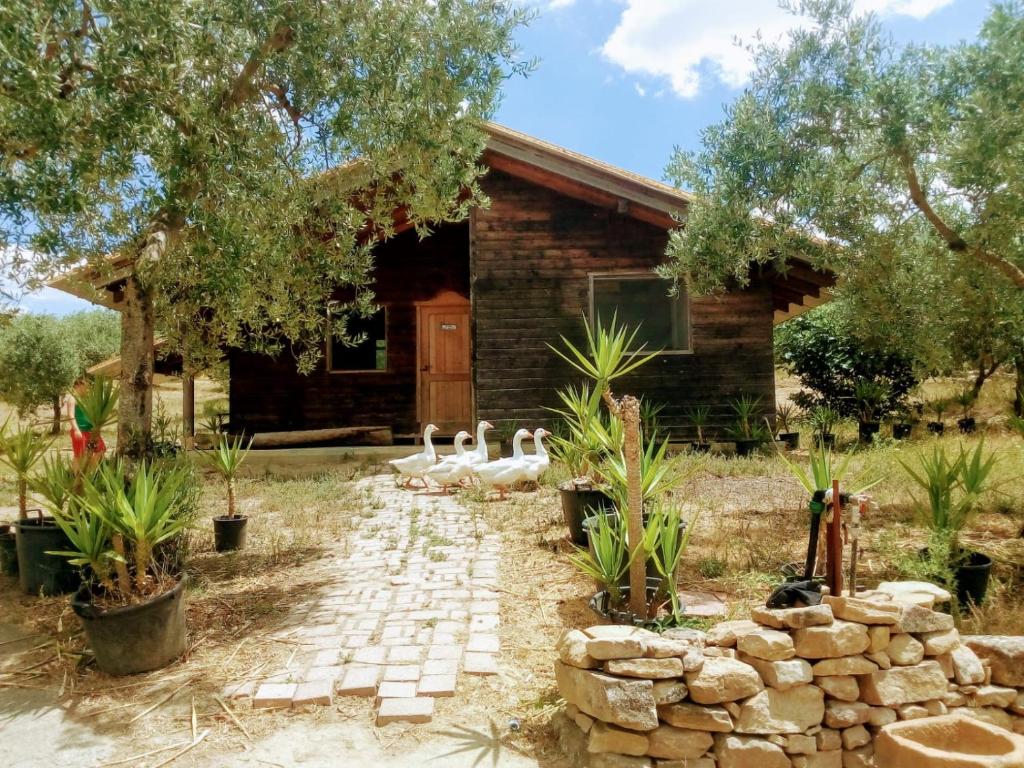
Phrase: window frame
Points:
(329, 356)
(593, 277)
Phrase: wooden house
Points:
(466, 314)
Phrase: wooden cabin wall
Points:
(269, 394)
(531, 254)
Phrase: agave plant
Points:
(56, 482)
(665, 544)
(659, 473)
(610, 559)
(823, 420)
(99, 405)
(822, 471)
(698, 416)
(21, 451)
(785, 416)
(226, 459)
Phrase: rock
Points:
(862, 611)
(846, 714)
(938, 643)
(723, 679)
(700, 762)
(767, 644)
(917, 619)
(652, 669)
(774, 711)
(904, 588)
(903, 685)
(672, 743)
(694, 638)
(819, 760)
(800, 744)
(735, 751)
(617, 642)
(946, 662)
(724, 634)
(904, 650)
(841, 638)
(665, 647)
(862, 757)
(880, 658)
(954, 699)
(879, 716)
(994, 696)
(1005, 657)
(854, 737)
(1018, 704)
(669, 691)
(828, 739)
(687, 715)
(793, 618)
(628, 703)
(911, 711)
(582, 719)
(611, 760)
(989, 715)
(844, 665)
(878, 638)
(572, 650)
(781, 674)
(712, 651)
(608, 738)
(967, 668)
(935, 708)
(842, 687)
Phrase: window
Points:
(371, 351)
(642, 299)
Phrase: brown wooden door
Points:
(445, 384)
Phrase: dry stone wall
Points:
(792, 688)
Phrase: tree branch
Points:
(953, 239)
(241, 88)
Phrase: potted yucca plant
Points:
(823, 421)
(748, 432)
(698, 416)
(966, 400)
(226, 459)
(786, 417)
(871, 397)
(938, 407)
(122, 531)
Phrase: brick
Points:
(404, 654)
(480, 664)
(271, 695)
(320, 692)
(444, 652)
(331, 673)
(402, 672)
(483, 643)
(239, 690)
(437, 685)
(359, 681)
(440, 667)
(375, 655)
(419, 709)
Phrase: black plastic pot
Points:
(746, 447)
(901, 431)
(229, 532)
(827, 439)
(967, 426)
(135, 638)
(8, 551)
(578, 505)
(936, 427)
(700, 447)
(39, 572)
(791, 439)
(972, 578)
(866, 430)
(599, 605)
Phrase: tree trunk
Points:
(135, 415)
(630, 413)
(55, 427)
(1018, 389)
(983, 375)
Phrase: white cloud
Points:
(684, 39)
(640, 90)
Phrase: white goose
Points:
(451, 469)
(417, 464)
(479, 454)
(538, 463)
(502, 473)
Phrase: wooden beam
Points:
(188, 411)
(370, 435)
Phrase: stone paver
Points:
(411, 606)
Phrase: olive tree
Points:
(895, 166)
(229, 164)
(38, 364)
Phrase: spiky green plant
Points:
(665, 546)
(747, 427)
(785, 416)
(608, 355)
(21, 451)
(822, 471)
(90, 537)
(99, 403)
(823, 420)
(698, 416)
(226, 459)
(610, 559)
(966, 400)
(659, 473)
(871, 397)
(55, 482)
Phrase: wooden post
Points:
(834, 545)
(188, 410)
(630, 413)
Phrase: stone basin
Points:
(948, 741)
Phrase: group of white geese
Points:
(462, 466)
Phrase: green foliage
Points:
(39, 364)
(95, 335)
(698, 416)
(659, 473)
(226, 459)
(823, 420)
(99, 402)
(966, 399)
(587, 433)
(818, 477)
(786, 416)
(611, 558)
(665, 545)
(609, 353)
(953, 486)
(871, 398)
(21, 450)
(748, 426)
(824, 351)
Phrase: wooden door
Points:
(445, 390)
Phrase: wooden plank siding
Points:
(532, 252)
(268, 394)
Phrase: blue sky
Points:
(625, 81)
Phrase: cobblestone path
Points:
(410, 609)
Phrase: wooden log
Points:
(369, 435)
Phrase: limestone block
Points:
(767, 644)
(780, 674)
(862, 611)
(842, 687)
(938, 643)
(627, 703)
(734, 751)
(903, 685)
(672, 743)
(918, 619)
(793, 618)
(904, 650)
(572, 650)
(609, 738)
(699, 718)
(846, 714)
(721, 680)
(967, 668)
(724, 634)
(652, 669)
(844, 665)
(774, 711)
(841, 638)
(1005, 656)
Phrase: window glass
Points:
(371, 351)
(643, 300)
